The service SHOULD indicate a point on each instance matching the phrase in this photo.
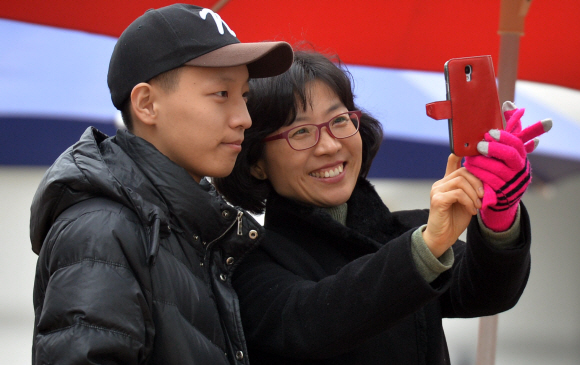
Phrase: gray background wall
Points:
(544, 328)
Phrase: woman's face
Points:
(299, 175)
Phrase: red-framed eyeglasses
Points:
(306, 136)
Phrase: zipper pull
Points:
(239, 218)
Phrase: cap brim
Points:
(264, 59)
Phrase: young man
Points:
(136, 250)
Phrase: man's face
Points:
(201, 124)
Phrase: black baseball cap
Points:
(182, 34)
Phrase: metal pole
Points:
(508, 66)
(507, 75)
(511, 28)
(487, 340)
(219, 5)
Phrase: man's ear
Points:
(142, 103)
(258, 171)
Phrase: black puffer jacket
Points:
(135, 260)
(318, 292)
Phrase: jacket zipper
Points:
(240, 232)
(239, 218)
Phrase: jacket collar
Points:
(130, 171)
(366, 215)
(191, 205)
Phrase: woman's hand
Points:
(454, 200)
(504, 168)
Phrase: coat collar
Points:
(190, 204)
(128, 170)
(367, 217)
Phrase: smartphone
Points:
(472, 106)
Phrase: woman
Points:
(339, 278)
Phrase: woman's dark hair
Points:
(273, 103)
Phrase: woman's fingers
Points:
(453, 164)
(454, 200)
(445, 199)
(460, 182)
(449, 215)
(454, 169)
(451, 174)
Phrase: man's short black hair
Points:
(273, 104)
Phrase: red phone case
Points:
(472, 105)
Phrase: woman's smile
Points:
(325, 173)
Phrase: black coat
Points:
(135, 260)
(317, 292)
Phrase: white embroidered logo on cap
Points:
(218, 21)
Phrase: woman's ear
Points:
(258, 171)
(142, 103)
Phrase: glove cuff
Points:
(499, 221)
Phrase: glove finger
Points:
(531, 145)
(486, 165)
(535, 130)
(508, 108)
(506, 138)
(514, 123)
(487, 177)
(513, 157)
(489, 197)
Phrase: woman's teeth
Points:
(329, 173)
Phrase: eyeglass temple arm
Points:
(274, 137)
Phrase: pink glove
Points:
(503, 167)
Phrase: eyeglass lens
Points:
(306, 136)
